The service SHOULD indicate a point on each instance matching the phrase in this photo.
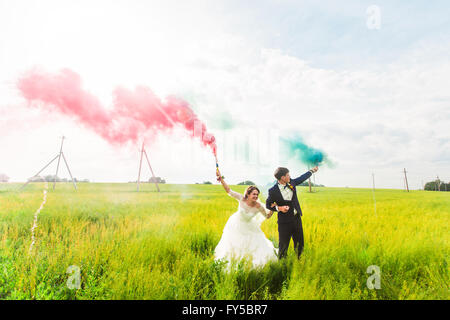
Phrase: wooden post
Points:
(314, 182)
(373, 181)
(59, 159)
(143, 152)
(140, 166)
(309, 182)
(39, 172)
(60, 154)
(406, 179)
(67, 166)
(153, 175)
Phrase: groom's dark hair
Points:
(281, 171)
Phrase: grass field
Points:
(151, 245)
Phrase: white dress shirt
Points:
(286, 193)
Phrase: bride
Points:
(242, 236)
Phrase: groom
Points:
(283, 198)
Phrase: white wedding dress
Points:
(242, 236)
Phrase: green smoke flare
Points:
(295, 147)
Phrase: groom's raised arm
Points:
(302, 178)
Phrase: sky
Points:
(366, 82)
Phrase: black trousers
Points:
(286, 231)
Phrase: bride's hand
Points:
(218, 175)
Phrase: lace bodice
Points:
(247, 212)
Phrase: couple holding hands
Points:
(242, 236)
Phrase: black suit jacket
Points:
(275, 196)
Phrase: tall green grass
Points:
(150, 245)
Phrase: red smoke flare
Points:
(134, 111)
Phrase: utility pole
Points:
(59, 159)
(406, 179)
(314, 182)
(60, 154)
(373, 180)
(143, 152)
(438, 183)
(140, 166)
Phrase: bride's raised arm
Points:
(222, 181)
(226, 187)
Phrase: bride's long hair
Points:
(250, 190)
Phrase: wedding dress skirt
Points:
(242, 236)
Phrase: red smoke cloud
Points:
(134, 111)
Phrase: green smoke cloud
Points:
(293, 146)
